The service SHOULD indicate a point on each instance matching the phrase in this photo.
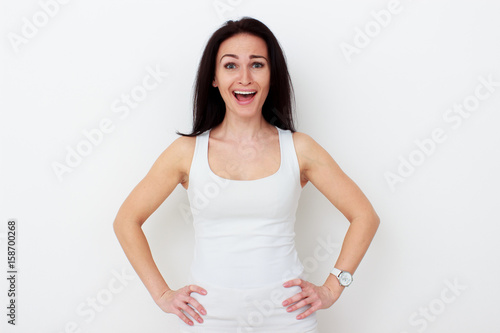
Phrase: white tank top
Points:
(244, 229)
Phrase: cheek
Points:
(224, 89)
(266, 81)
(222, 81)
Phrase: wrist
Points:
(160, 295)
(343, 277)
(332, 283)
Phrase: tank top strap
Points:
(199, 165)
(289, 158)
(289, 168)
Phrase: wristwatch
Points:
(345, 278)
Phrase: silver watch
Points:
(345, 278)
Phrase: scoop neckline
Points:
(247, 180)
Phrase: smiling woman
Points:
(246, 275)
(243, 77)
(265, 58)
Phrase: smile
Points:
(244, 97)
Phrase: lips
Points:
(244, 96)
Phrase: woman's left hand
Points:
(319, 297)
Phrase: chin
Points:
(247, 110)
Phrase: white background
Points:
(439, 222)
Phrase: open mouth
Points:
(244, 96)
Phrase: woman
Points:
(244, 166)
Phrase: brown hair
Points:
(209, 107)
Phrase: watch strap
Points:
(336, 272)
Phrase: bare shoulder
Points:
(314, 161)
(319, 167)
(303, 142)
(180, 149)
(183, 144)
(308, 150)
(177, 157)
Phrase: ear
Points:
(214, 83)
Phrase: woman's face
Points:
(242, 74)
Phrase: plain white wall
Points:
(394, 90)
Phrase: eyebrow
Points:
(253, 56)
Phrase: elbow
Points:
(370, 221)
(121, 230)
(117, 227)
(375, 221)
(122, 225)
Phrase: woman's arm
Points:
(318, 167)
(170, 169)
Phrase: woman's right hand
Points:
(179, 302)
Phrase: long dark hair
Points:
(209, 107)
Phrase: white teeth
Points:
(245, 92)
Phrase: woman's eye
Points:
(230, 66)
(257, 65)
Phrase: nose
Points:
(246, 76)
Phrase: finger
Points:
(197, 289)
(294, 282)
(299, 305)
(194, 303)
(307, 313)
(189, 310)
(183, 317)
(294, 298)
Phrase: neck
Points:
(242, 129)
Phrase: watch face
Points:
(345, 279)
